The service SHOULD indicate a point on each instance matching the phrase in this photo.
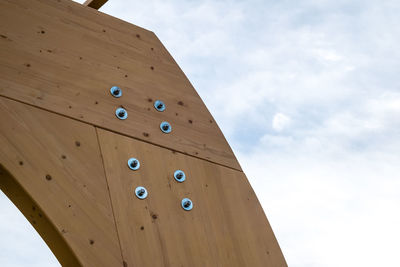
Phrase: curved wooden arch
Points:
(38, 218)
(64, 153)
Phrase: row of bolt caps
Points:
(142, 192)
(122, 114)
(134, 164)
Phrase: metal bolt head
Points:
(141, 192)
(116, 91)
(187, 204)
(159, 105)
(121, 113)
(133, 164)
(165, 127)
(179, 176)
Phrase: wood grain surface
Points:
(64, 152)
(65, 57)
(57, 162)
(227, 226)
(37, 217)
(70, 171)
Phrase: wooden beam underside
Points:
(96, 4)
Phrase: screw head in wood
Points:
(165, 127)
(121, 113)
(133, 164)
(116, 91)
(179, 176)
(187, 204)
(141, 192)
(159, 105)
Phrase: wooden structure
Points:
(96, 4)
(64, 152)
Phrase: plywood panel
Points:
(227, 226)
(64, 57)
(57, 161)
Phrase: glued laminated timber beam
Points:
(64, 58)
(64, 152)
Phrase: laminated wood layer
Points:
(65, 57)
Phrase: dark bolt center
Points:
(141, 192)
(116, 92)
(179, 175)
(165, 127)
(134, 164)
(121, 113)
(160, 106)
(186, 204)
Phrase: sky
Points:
(307, 93)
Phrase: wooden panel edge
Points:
(37, 218)
(111, 130)
(96, 4)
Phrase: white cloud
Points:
(280, 122)
(328, 55)
(324, 204)
(325, 73)
(326, 170)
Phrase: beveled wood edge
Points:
(96, 4)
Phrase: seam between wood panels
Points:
(114, 131)
(109, 194)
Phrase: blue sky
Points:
(308, 95)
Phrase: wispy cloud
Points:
(308, 94)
